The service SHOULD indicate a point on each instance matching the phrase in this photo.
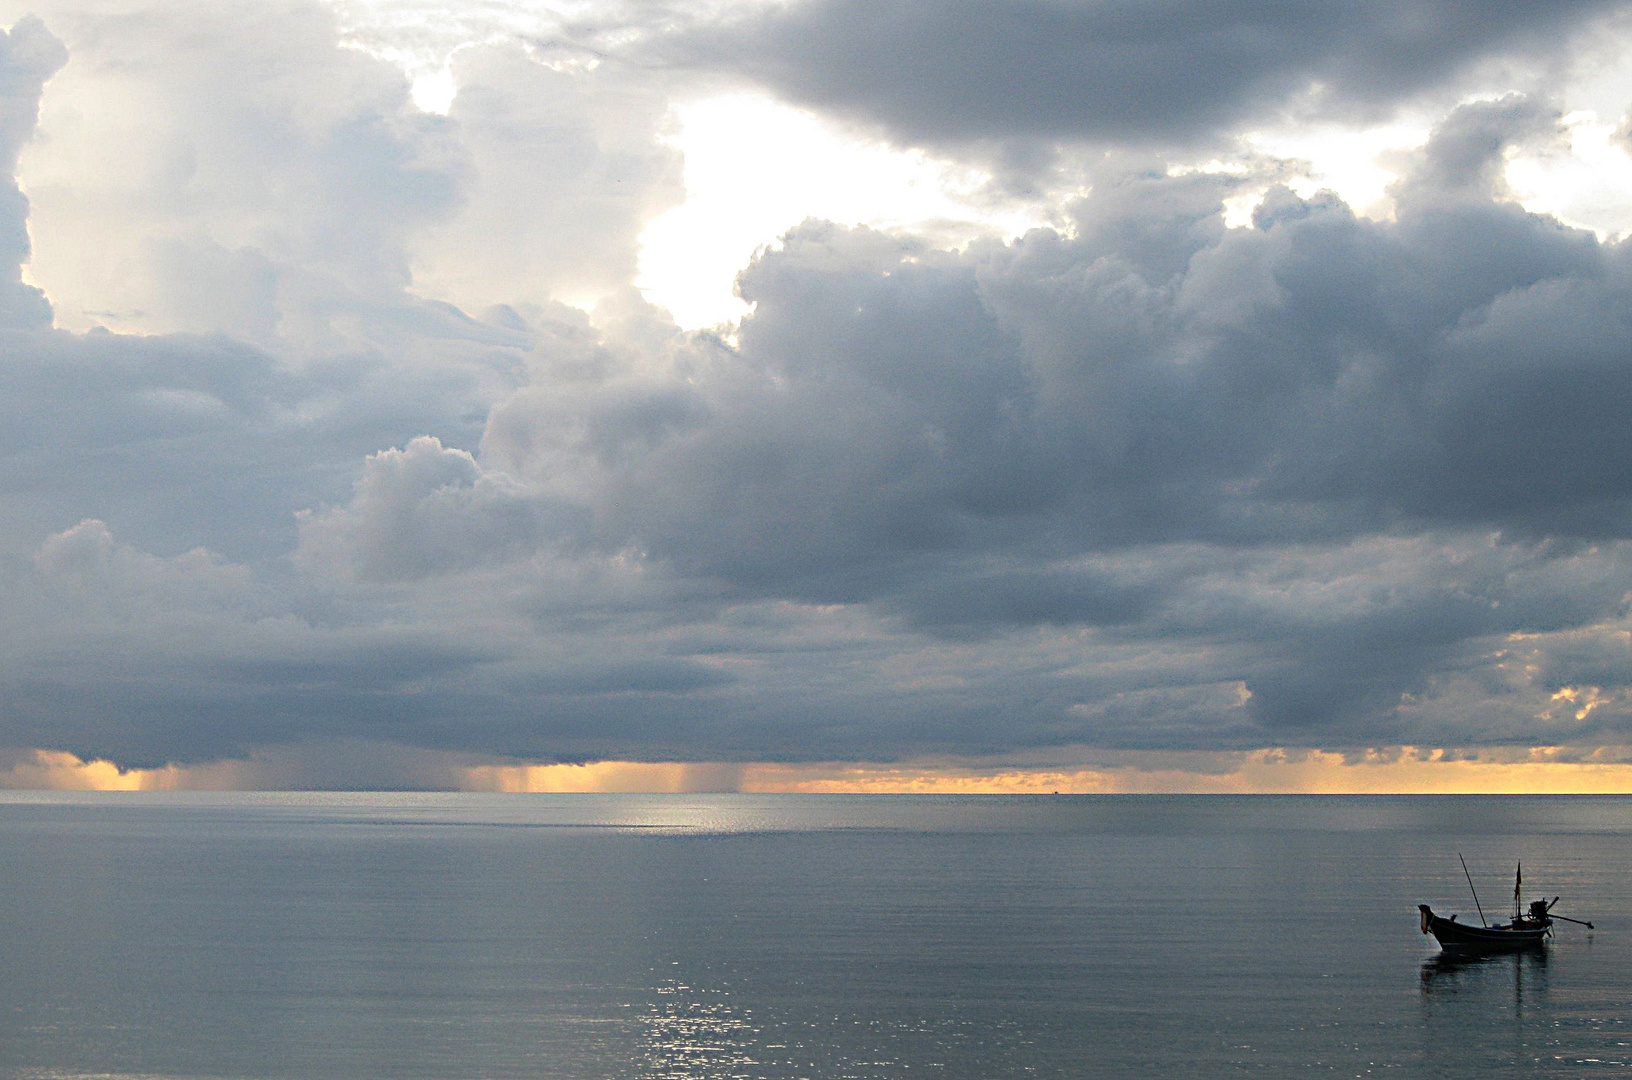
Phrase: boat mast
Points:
(1471, 889)
(1518, 879)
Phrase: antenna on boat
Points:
(1471, 888)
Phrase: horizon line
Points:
(1397, 770)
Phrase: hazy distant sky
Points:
(813, 380)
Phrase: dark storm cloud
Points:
(1318, 377)
(183, 440)
(1119, 71)
(900, 426)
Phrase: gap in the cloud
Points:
(433, 91)
(1358, 164)
(1586, 183)
(756, 168)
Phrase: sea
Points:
(649, 937)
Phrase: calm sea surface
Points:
(467, 936)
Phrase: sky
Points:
(816, 395)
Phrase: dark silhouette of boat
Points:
(1522, 933)
(1526, 930)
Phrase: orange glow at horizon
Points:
(58, 770)
(1261, 772)
(1398, 770)
(656, 777)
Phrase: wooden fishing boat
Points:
(1521, 933)
(1527, 930)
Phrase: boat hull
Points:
(1463, 937)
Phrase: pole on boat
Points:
(1471, 888)
(1518, 879)
(1566, 918)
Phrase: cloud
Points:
(566, 170)
(1467, 158)
(29, 55)
(227, 167)
(210, 167)
(1139, 483)
(1155, 379)
(1081, 431)
(422, 510)
(1113, 73)
(180, 441)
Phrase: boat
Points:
(1528, 929)
(1522, 933)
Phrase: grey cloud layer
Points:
(1317, 377)
(1113, 71)
(1146, 482)
(1094, 432)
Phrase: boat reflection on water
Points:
(1453, 972)
(1486, 1015)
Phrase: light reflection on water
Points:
(694, 1033)
(703, 1032)
(1522, 1020)
(691, 937)
(1149, 815)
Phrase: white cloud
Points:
(227, 167)
(565, 171)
